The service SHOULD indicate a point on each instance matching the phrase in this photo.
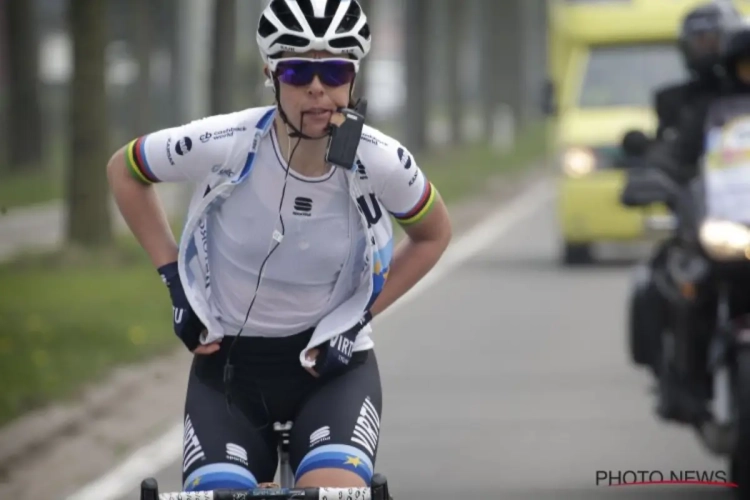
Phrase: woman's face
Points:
(312, 89)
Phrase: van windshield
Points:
(627, 75)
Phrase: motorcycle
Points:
(689, 311)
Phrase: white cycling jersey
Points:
(337, 245)
(299, 278)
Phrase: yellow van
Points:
(606, 59)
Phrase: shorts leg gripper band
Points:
(337, 456)
(224, 475)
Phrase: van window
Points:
(627, 75)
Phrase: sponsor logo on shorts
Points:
(321, 435)
(236, 453)
(192, 451)
(367, 428)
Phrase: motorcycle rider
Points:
(681, 108)
(676, 150)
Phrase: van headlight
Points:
(577, 162)
(725, 240)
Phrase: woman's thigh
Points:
(338, 426)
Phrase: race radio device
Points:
(345, 134)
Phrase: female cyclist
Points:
(284, 259)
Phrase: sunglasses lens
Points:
(336, 73)
(295, 73)
(300, 73)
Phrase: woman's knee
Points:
(330, 477)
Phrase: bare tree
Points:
(143, 13)
(24, 126)
(455, 37)
(415, 36)
(224, 51)
(501, 47)
(89, 220)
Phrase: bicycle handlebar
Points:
(273, 494)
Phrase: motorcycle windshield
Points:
(727, 160)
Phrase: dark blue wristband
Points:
(169, 272)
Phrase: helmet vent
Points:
(285, 15)
(265, 28)
(353, 13)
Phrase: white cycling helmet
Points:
(336, 26)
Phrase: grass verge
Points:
(18, 190)
(461, 171)
(68, 318)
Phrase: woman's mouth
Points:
(318, 112)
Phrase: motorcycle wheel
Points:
(638, 353)
(740, 460)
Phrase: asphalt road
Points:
(509, 379)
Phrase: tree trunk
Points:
(143, 13)
(89, 220)
(508, 69)
(176, 71)
(224, 50)
(415, 36)
(454, 71)
(25, 141)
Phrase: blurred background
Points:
(80, 78)
(485, 93)
(166, 62)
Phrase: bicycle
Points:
(378, 490)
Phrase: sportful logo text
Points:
(302, 206)
(236, 453)
(320, 435)
(191, 447)
(367, 428)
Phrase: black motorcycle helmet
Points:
(701, 37)
(735, 52)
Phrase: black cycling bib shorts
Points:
(336, 419)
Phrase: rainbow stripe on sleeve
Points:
(422, 208)
(135, 157)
